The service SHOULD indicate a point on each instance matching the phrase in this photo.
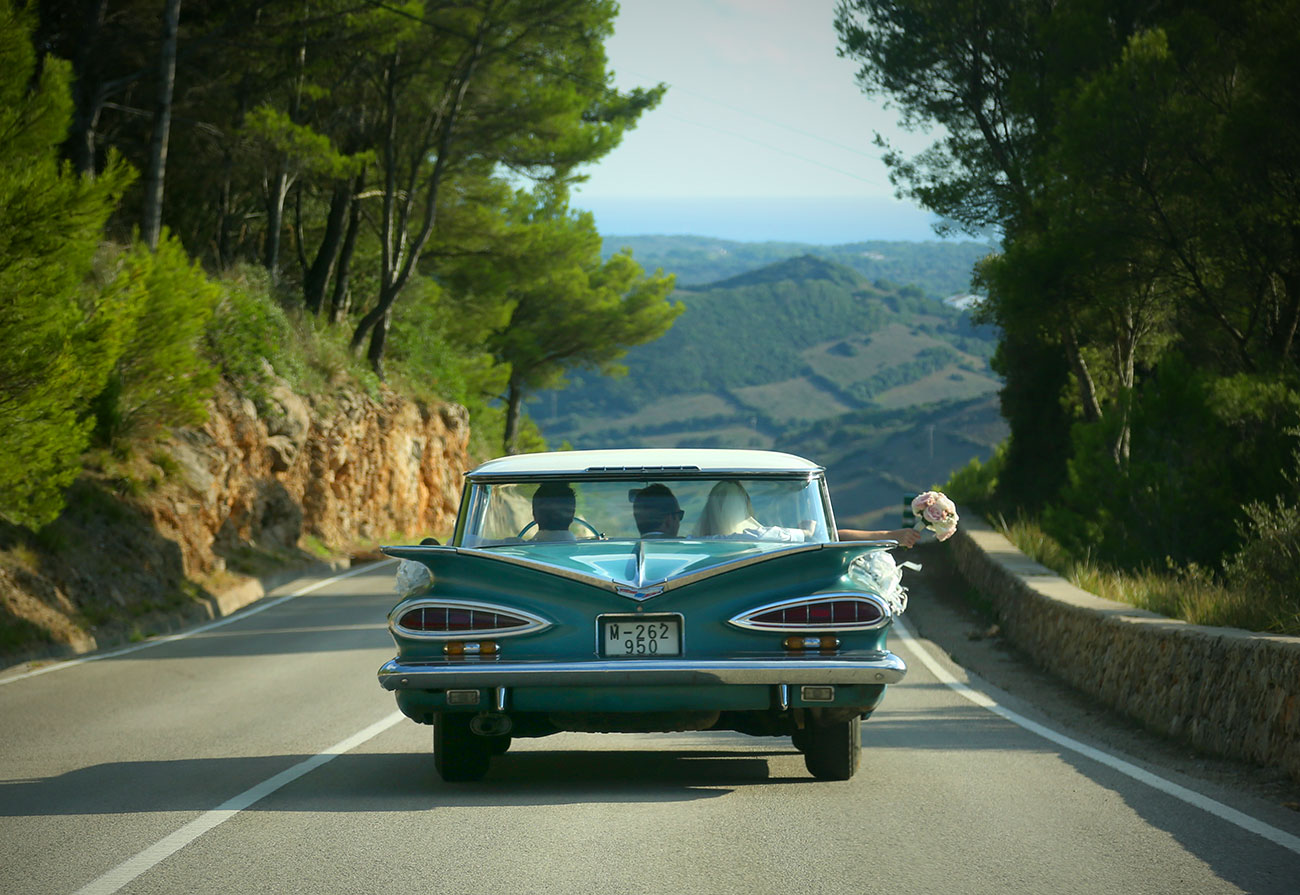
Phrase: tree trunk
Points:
(1087, 388)
(299, 249)
(514, 405)
(1125, 348)
(151, 226)
(276, 189)
(339, 301)
(222, 236)
(395, 243)
(88, 97)
(1288, 318)
(378, 339)
(372, 319)
(318, 275)
(81, 132)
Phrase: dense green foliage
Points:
(357, 155)
(1141, 163)
(1268, 563)
(555, 304)
(58, 340)
(163, 303)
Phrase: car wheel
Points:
(834, 751)
(458, 755)
(801, 739)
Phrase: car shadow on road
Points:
(399, 782)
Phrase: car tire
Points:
(458, 755)
(834, 750)
(801, 739)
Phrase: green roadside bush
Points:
(975, 484)
(58, 341)
(164, 302)
(249, 337)
(1203, 447)
(1267, 567)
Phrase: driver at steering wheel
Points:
(553, 507)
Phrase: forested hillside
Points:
(1142, 163)
(809, 356)
(316, 191)
(280, 201)
(939, 269)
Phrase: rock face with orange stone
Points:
(247, 491)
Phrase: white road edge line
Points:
(1182, 793)
(234, 617)
(164, 848)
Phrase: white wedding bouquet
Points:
(936, 512)
(412, 578)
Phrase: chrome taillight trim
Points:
(533, 621)
(746, 619)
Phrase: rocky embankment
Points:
(245, 492)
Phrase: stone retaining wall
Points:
(1225, 691)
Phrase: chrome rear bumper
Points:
(868, 667)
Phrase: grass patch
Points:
(17, 634)
(1191, 594)
(315, 546)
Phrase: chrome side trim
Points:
(535, 622)
(866, 667)
(744, 620)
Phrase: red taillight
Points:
(841, 613)
(457, 619)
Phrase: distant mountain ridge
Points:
(801, 269)
(885, 384)
(938, 269)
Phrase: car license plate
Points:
(633, 636)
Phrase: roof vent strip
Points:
(643, 469)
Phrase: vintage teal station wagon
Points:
(644, 590)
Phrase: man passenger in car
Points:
(554, 505)
(656, 512)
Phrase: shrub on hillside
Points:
(248, 331)
(975, 484)
(1203, 447)
(160, 379)
(1268, 564)
(57, 340)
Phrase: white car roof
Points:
(652, 461)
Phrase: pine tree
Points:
(56, 340)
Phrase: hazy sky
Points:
(764, 132)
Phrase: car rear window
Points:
(728, 508)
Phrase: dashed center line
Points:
(163, 849)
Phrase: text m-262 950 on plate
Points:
(640, 636)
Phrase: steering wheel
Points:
(578, 519)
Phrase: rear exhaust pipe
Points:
(491, 724)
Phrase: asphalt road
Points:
(261, 756)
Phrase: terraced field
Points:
(891, 404)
